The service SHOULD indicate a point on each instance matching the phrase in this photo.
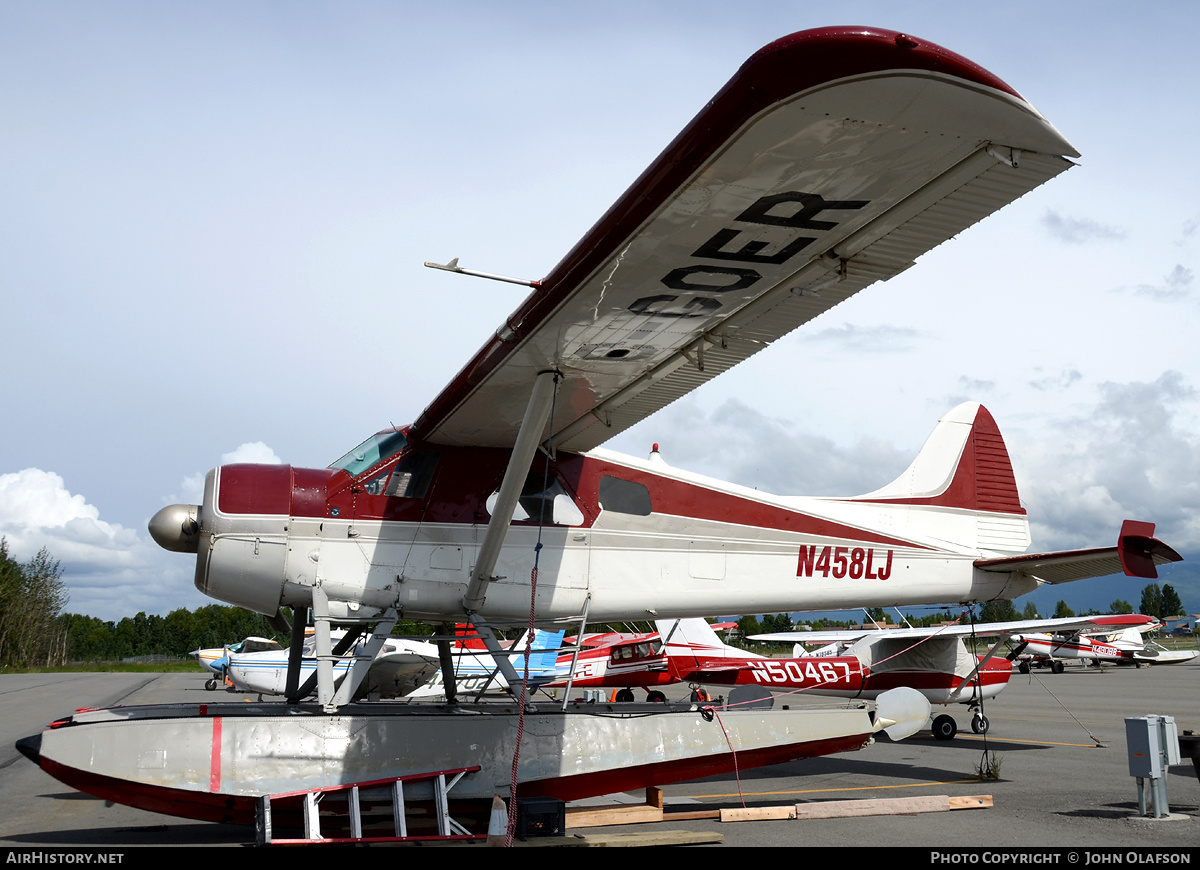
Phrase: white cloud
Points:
(192, 486)
(1177, 284)
(868, 339)
(1130, 455)
(254, 451)
(738, 444)
(111, 571)
(1078, 231)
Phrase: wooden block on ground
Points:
(886, 807)
(757, 814)
(595, 817)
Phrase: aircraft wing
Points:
(1137, 554)
(984, 629)
(831, 160)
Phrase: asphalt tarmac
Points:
(1059, 741)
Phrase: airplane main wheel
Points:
(944, 727)
(1057, 667)
(624, 696)
(657, 697)
(211, 685)
(1023, 667)
(980, 724)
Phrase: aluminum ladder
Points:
(310, 800)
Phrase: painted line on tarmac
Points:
(1002, 740)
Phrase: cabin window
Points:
(543, 500)
(409, 478)
(633, 652)
(624, 497)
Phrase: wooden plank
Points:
(885, 807)
(691, 815)
(971, 802)
(594, 817)
(637, 838)
(756, 814)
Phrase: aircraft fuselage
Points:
(640, 538)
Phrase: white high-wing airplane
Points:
(936, 662)
(1037, 649)
(400, 667)
(403, 668)
(216, 659)
(832, 160)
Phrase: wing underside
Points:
(832, 160)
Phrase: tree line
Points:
(34, 632)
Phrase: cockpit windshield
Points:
(371, 452)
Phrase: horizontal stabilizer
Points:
(1137, 554)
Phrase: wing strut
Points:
(537, 413)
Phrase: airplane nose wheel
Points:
(211, 685)
(944, 727)
(980, 723)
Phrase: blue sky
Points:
(215, 217)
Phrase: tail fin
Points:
(545, 646)
(467, 638)
(684, 637)
(1131, 635)
(964, 466)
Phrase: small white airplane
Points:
(1125, 647)
(399, 668)
(936, 662)
(403, 668)
(215, 659)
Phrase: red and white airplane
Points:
(1101, 644)
(852, 665)
(936, 662)
(832, 160)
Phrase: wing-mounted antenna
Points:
(453, 266)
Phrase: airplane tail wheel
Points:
(1023, 667)
(980, 724)
(1057, 667)
(944, 727)
(624, 696)
(656, 697)
(211, 685)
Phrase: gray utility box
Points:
(1153, 743)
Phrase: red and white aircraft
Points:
(832, 160)
(689, 651)
(936, 662)
(1102, 644)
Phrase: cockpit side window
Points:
(371, 452)
(408, 478)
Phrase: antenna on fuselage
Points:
(453, 266)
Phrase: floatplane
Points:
(830, 161)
